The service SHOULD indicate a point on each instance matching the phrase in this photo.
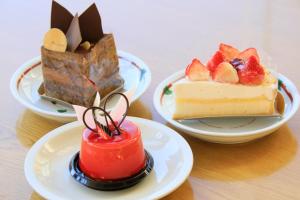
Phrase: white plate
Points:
(28, 78)
(46, 164)
(224, 130)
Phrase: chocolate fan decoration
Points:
(86, 27)
(106, 128)
(73, 34)
(60, 17)
(90, 24)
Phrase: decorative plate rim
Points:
(157, 97)
(35, 62)
(173, 185)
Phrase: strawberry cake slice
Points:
(232, 83)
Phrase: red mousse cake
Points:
(112, 155)
(117, 157)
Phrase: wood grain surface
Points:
(166, 35)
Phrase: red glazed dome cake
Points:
(118, 157)
(112, 154)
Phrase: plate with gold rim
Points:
(226, 129)
(27, 79)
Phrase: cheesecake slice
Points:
(229, 85)
(198, 99)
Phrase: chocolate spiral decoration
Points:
(107, 116)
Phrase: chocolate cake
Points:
(87, 66)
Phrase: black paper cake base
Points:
(109, 185)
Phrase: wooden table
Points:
(167, 35)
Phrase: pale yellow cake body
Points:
(198, 99)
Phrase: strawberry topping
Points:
(229, 65)
(228, 51)
(213, 63)
(226, 73)
(252, 73)
(245, 55)
(196, 71)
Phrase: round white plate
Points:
(224, 130)
(28, 78)
(46, 164)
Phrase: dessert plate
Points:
(47, 164)
(226, 129)
(27, 79)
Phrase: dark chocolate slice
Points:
(90, 24)
(60, 17)
(74, 35)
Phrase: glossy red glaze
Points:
(118, 157)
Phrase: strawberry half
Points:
(225, 73)
(252, 73)
(213, 63)
(245, 55)
(196, 71)
(228, 51)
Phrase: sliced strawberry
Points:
(213, 63)
(196, 71)
(228, 51)
(252, 73)
(225, 73)
(245, 55)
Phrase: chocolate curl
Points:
(89, 120)
(95, 117)
(116, 113)
(121, 107)
(118, 121)
(79, 110)
(89, 116)
(106, 128)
